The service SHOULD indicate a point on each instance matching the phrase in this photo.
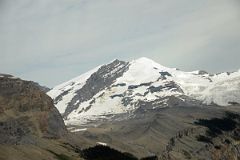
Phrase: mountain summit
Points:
(131, 87)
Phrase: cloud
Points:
(64, 38)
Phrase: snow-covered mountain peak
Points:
(126, 87)
(144, 70)
(148, 63)
(145, 61)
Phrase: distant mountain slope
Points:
(126, 87)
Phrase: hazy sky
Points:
(51, 41)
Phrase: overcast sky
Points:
(51, 41)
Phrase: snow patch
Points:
(101, 143)
(78, 130)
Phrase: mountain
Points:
(130, 87)
(184, 128)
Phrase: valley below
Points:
(171, 133)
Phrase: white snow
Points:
(78, 130)
(102, 143)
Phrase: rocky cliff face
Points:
(26, 112)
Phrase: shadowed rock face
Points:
(26, 111)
